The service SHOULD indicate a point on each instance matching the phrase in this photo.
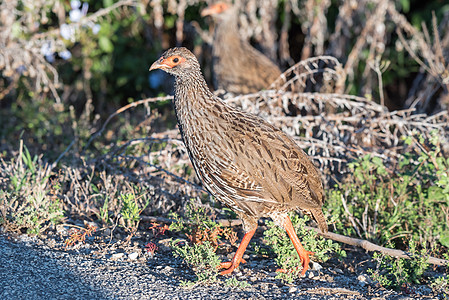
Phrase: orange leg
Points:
(234, 263)
(303, 254)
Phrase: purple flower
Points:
(50, 58)
(85, 8)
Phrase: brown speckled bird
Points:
(237, 66)
(245, 162)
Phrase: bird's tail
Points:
(319, 219)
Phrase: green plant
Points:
(130, 211)
(28, 198)
(441, 286)
(199, 227)
(392, 272)
(234, 282)
(201, 258)
(383, 203)
(287, 257)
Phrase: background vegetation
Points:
(375, 121)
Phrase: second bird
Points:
(237, 66)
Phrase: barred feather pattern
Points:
(245, 162)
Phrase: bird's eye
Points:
(175, 60)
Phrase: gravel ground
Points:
(33, 268)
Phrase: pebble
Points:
(316, 266)
(338, 270)
(363, 279)
(272, 274)
(311, 275)
(133, 255)
(292, 289)
(117, 255)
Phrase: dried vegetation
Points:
(359, 78)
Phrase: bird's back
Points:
(251, 165)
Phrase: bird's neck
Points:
(227, 29)
(193, 101)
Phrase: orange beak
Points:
(212, 10)
(160, 64)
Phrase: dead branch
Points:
(122, 109)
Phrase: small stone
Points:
(133, 255)
(316, 266)
(117, 255)
(311, 275)
(338, 270)
(272, 274)
(292, 289)
(364, 279)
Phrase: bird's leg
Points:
(303, 254)
(234, 263)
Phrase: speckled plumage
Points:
(237, 66)
(245, 162)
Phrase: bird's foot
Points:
(230, 266)
(305, 260)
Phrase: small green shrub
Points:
(201, 258)
(234, 282)
(28, 198)
(392, 272)
(383, 203)
(441, 286)
(287, 257)
(130, 211)
(199, 227)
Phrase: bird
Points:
(246, 163)
(237, 66)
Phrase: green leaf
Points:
(444, 238)
(105, 44)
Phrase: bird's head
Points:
(217, 10)
(177, 61)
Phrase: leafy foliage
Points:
(199, 227)
(392, 272)
(287, 256)
(201, 258)
(28, 198)
(383, 204)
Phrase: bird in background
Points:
(237, 66)
(245, 162)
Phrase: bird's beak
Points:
(210, 10)
(159, 64)
(207, 11)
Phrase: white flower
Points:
(75, 15)
(65, 55)
(96, 28)
(67, 32)
(46, 49)
(75, 4)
